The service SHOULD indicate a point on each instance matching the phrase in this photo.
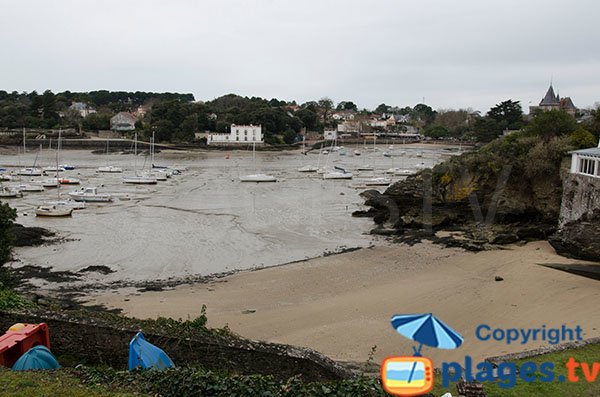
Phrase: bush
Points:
(10, 300)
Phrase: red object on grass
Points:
(13, 344)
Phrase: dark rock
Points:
(498, 278)
(505, 238)
(97, 269)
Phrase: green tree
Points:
(508, 115)
(423, 113)
(49, 113)
(309, 118)
(383, 108)
(551, 124)
(7, 217)
(164, 130)
(455, 121)
(325, 104)
(486, 129)
(436, 131)
(582, 139)
(346, 105)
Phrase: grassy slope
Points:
(49, 383)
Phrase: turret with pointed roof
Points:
(550, 99)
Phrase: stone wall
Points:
(92, 342)
(581, 195)
(578, 234)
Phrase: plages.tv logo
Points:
(413, 375)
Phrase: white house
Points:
(586, 162)
(238, 134)
(330, 135)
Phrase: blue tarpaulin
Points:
(146, 355)
(38, 357)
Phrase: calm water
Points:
(203, 221)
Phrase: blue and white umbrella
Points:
(427, 330)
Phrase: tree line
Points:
(176, 117)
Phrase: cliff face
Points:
(578, 234)
(505, 192)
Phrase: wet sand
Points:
(341, 304)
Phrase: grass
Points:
(589, 354)
(10, 300)
(50, 383)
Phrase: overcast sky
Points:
(455, 54)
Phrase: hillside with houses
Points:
(176, 117)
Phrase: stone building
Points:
(552, 101)
(123, 122)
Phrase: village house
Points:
(350, 127)
(83, 109)
(344, 115)
(553, 101)
(238, 134)
(123, 122)
(330, 135)
(586, 162)
(141, 111)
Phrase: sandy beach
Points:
(341, 304)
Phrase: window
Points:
(587, 166)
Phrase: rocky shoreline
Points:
(406, 214)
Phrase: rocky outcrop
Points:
(578, 234)
(492, 199)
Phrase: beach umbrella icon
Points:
(426, 329)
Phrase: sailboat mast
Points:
(152, 150)
(254, 155)
(57, 169)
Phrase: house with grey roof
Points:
(82, 108)
(123, 122)
(552, 101)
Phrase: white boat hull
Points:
(378, 182)
(7, 192)
(30, 172)
(30, 188)
(258, 178)
(308, 168)
(53, 211)
(337, 175)
(109, 170)
(90, 195)
(140, 180)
